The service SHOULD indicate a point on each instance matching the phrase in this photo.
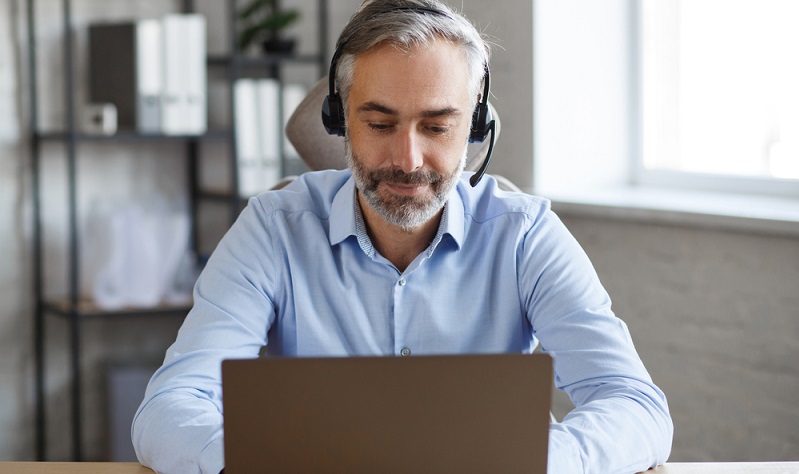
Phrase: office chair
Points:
(320, 150)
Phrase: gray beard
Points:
(405, 212)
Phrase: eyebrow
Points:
(372, 106)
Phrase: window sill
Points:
(710, 210)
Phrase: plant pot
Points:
(279, 45)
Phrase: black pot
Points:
(279, 45)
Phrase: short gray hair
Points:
(406, 25)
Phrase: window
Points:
(720, 91)
(595, 110)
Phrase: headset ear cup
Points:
(480, 119)
(333, 115)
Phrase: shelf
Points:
(264, 60)
(70, 308)
(89, 309)
(217, 195)
(130, 136)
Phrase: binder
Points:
(184, 98)
(125, 70)
(269, 131)
(245, 124)
(259, 131)
(148, 76)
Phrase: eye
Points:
(380, 127)
(438, 130)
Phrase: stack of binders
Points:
(154, 71)
(259, 131)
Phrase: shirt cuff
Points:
(212, 458)
(564, 453)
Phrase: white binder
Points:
(149, 75)
(270, 129)
(184, 110)
(259, 131)
(246, 129)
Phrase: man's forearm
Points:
(179, 433)
(626, 428)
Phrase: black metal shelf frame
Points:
(71, 308)
(129, 136)
(267, 60)
(87, 310)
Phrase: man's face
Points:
(408, 124)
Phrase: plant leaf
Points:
(254, 7)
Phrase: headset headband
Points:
(331, 76)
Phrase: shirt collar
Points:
(342, 213)
(346, 219)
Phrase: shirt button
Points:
(405, 352)
(402, 282)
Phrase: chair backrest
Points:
(320, 150)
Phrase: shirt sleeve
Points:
(178, 427)
(621, 421)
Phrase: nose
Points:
(408, 154)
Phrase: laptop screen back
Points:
(463, 413)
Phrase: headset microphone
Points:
(482, 171)
(482, 124)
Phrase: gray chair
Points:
(320, 150)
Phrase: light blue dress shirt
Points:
(297, 271)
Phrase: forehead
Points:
(434, 74)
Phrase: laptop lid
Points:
(461, 413)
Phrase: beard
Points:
(405, 212)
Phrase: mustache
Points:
(397, 176)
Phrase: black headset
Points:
(482, 119)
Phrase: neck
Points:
(398, 245)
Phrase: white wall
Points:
(583, 100)
(715, 317)
(508, 24)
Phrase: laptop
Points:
(459, 413)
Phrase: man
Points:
(400, 255)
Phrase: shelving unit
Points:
(71, 307)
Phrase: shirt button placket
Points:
(404, 351)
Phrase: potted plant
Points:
(264, 20)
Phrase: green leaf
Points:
(260, 18)
(257, 5)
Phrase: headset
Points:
(482, 119)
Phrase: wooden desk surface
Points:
(136, 468)
(73, 468)
(728, 468)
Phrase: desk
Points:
(73, 468)
(727, 468)
(136, 468)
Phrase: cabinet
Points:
(70, 307)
